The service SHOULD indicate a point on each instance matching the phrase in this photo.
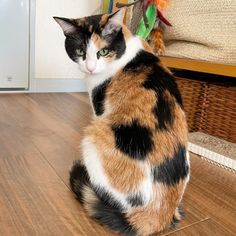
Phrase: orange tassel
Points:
(156, 41)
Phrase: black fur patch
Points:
(98, 97)
(75, 41)
(106, 198)
(109, 212)
(94, 21)
(160, 81)
(117, 43)
(142, 59)
(163, 112)
(133, 139)
(171, 171)
(78, 179)
(114, 219)
(135, 200)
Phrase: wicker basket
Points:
(210, 106)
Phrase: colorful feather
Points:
(162, 18)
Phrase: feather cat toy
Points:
(148, 21)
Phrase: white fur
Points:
(146, 188)
(188, 163)
(91, 159)
(108, 108)
(92, 65)
(91, 58)
(188, 176)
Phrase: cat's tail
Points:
(95, 206)
(79, 180)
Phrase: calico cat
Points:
(134, 166)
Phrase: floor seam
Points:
(187, 226)
(42, 156)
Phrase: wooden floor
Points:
(39, 139)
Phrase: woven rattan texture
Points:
(210, 108)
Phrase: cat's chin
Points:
(90, 73)
(87, 73)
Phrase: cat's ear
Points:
(68, 25)
(114, 23)
(118, 16)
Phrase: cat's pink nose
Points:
(90, 67)
(90, 70)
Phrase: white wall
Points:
(51, 60)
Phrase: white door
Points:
(14, 43)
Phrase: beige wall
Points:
(51, 60)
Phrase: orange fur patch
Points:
(104, 19)
(159, 213)
(126, 32)
(127, 97)
(98, 41)
(120, 168)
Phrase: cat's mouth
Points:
(90, 72)
(86, 70)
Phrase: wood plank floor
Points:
(39, 139)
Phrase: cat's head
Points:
(95, 42)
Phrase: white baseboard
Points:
(57, 85)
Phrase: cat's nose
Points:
(90, 70)
(90, 66)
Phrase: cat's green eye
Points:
(104, 52)
(80, 52)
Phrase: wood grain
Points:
(206, 227)
(212, 190)
(39, 139)
(200, 66)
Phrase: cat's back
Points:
(140, 130)
(144, 91)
